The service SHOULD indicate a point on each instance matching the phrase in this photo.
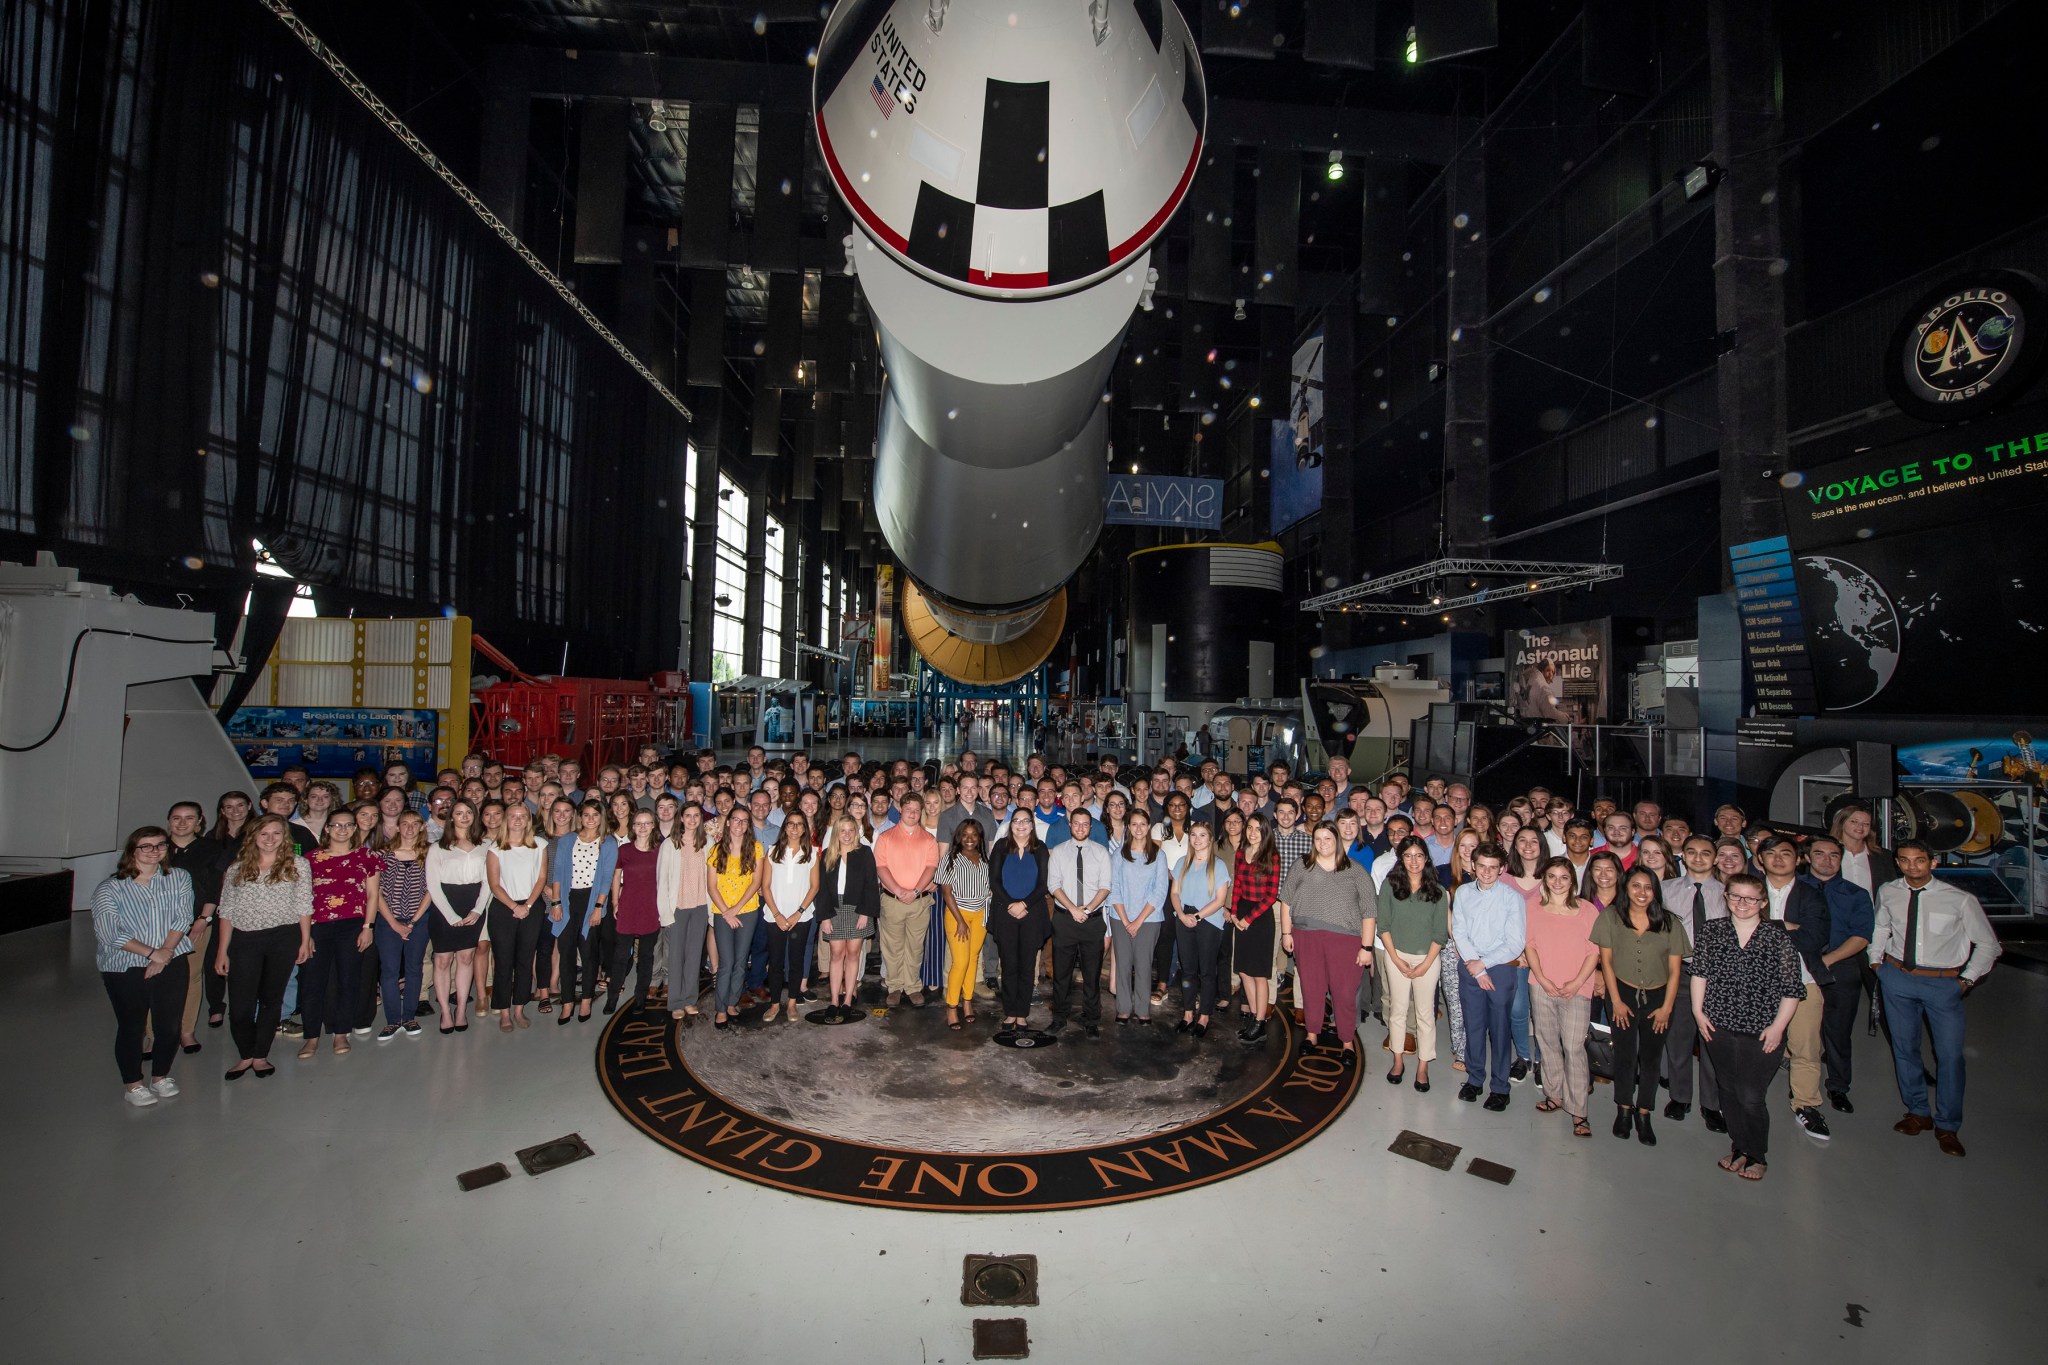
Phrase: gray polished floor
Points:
(315, 1218)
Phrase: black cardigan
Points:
(863, 887)
(1037, 905)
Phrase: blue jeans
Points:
(1518, 1020)
(757, 955)
(399, 960)
(291, 994)
(1909, 999)
(733, 947)
(1488, 1033)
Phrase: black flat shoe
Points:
(1644, 1133)
(236, 1075)
(446, 1029)
(215, 1020)
(462, 1028)
(189, 1048)
(1184, 1026)
(1395, 1077)
(1624, 1119)
(264, 1073)
(1198, 1030)
(611, 1006)
(1421, 1086)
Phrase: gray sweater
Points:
(1337, 902)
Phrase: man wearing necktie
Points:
(1932, 945)
(1695, 897)
(1079, 884)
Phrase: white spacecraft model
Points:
(1008, 166)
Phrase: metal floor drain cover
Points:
(1490, 1170)
(1001, 1339)
(834, 1015)
(549, 1156)
(1427, 1150)
(482, 1176)
(999, 1281)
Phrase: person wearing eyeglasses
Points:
(141, 918)
(1932, 945)
(1745, 987)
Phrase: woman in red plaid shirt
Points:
(1254, 886)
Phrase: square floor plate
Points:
(548, 1156)
(1427, 1150)
(1001, 1339)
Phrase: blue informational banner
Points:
(1160, 500)
(333, 741)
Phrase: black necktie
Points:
(1913, 931)
(1080, 877)
(1699, 912)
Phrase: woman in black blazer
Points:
(849, 906)
(1019, 917)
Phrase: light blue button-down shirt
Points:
(1491, 924)
(1133, 882)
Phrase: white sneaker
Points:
(363, 1031)
(164, 1087)
(141, 1096)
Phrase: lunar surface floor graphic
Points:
(900, 1111)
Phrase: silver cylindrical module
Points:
(1008, 169)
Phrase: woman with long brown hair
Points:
(344, 888)
(1413, 923)
(400, 933)
(1201, 901)
(636, 910)
(322, 801)
(581, 878)
(456, 871)
(789, 894)
(265, 930)
(1254, 888)
(1563, 965)
(683, 899)
(738, 867)
(1019, 881)
(231, 818)
(965, 894)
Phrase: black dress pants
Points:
(636, 951)
(1018, 942)
(259, 964)
(787, 956)
(578, 948)
(1839, 1000)
(328, 979)
(1201, 966)
(1637, 1049)
(154, 1002)
(1745, 1072)
(513, 941)
(1076, 945)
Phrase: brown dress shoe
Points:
(1950, 1143)
(1912, 1125)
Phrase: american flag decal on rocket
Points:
(884, 101)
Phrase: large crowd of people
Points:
(1552, 945)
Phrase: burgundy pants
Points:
(1328, 963)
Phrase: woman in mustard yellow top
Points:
(738, 867)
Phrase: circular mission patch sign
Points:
(1967, 347)
(646, 1076)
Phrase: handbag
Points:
(1600, 1039)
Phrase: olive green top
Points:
(1641, 959)
(1412, 924)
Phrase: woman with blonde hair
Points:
(345, 885)
(400, 933)
(265, 930)
(849, 905)
(516, 871)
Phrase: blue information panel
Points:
(333, 741)
(1773, 628)
(1159, 500)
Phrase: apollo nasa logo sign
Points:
(1296, 1091)
(1965, 348)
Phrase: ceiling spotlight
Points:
(747, 278)
(1412, 51)
(1238, 316)
(657, 124)
(1255, 400)
(1336, 170)
(1699, 179)
(1134, 469)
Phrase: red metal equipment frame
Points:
(595, 721)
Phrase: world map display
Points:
(1854, 634)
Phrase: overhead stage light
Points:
(1412, 52)
(1336, 170)
(1699, 179)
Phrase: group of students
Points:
(1722, 954)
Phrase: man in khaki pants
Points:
(205, 861)
(906, 856)
(1803, 909)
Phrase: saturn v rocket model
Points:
(1008, 166)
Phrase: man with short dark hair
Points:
(1578, 847)
(1620, 835)
(1695, 896)
(282, 799)
(1489, 922)
(206, 861)
(1803, 909)
(1852, 918)
(1649, 817)
(1079, 882)
(1932, 946)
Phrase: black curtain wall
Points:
(234, 309)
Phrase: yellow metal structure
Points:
(975, 663)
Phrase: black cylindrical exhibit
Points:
(1199, 613)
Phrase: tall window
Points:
(729, 584)
(772, 560)
(689, 508)
(828, 604)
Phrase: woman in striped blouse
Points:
(266, 929)
(401, 933)
(140, 919)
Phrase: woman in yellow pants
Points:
(963, 881)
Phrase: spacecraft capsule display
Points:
(1008, 168)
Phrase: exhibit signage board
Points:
(1916, 571)
(333, 741)
(1160, 500)
(1559, 673)
(1773, 628)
